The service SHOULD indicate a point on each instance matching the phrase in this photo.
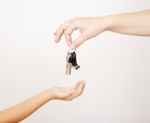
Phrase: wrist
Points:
(48, 94)
(106, 22)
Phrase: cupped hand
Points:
(68, 93)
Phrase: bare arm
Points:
(26, 108)
(136, 23)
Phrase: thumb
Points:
(81, 39)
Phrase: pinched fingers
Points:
(68, 34)
(60, 31)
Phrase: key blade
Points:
(70, 68)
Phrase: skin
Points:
(136, 23)
(21, 111)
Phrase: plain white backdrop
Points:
(116, 67)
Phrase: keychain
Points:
(71, 62)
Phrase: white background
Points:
(116, 67)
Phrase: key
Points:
(71, 62)
(68, 64)
(68, 68)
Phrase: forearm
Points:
(24, 109)
(137, 23)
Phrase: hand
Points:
(89, 27)
(68, 93)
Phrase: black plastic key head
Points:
(74, 61)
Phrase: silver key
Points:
(68, 68)
(68, 64)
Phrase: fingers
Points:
(77, 89)
(58, 34)
(68, 38)
(68, 32)
(60, 31)
(80, 88)
(67, 29)
(76, 85)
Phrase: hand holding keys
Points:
(71, 62)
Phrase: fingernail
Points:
(55, 40)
